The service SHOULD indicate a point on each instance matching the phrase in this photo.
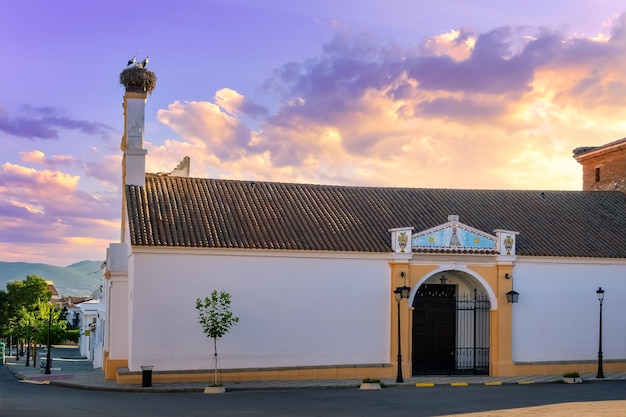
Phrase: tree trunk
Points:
(215, 360)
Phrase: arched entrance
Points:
(450, 326)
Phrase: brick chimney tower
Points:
(604, 167)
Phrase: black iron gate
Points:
(450, 332)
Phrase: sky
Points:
(400, 93)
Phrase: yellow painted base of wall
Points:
(556, 368)
(110, 366)
(118, 370)
(125, 377)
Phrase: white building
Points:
(312, 271)
(90, 341)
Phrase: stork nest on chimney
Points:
(138, 79)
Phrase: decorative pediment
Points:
(453, 236)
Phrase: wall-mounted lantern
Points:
(511, 296)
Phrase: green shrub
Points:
(371, 381)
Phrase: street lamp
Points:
(36, 331)
(600, 293)
(48, 359)
(400, 293)
(28, 342)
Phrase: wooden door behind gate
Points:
(450, 331)
(434, 329)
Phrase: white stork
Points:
(132, 61)
(144, 63)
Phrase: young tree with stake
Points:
(216, 319)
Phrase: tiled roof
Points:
(578, 152)
(210, 213)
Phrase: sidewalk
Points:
(71, 370)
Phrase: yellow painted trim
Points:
(135, 95)
(124, 377)
(295, 374)
(459, 384)
(110, 366)
(30, 381)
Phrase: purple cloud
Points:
(369, 91)
(10, 210)
(348, 67)
(45, 123)
(108, 171)
(502, 62)
(461, 110)
(252, 110)
(493, 67)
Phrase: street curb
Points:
(82, 376)
(149, 390)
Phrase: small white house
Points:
(90, 341)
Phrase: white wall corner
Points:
(135, 160)
(117, 258)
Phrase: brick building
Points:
(604, 167)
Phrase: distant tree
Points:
(28, 293)
(216, 319)
(23, 300)
(72, 335)
(4, 314)
(49, 316)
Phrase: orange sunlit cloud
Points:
(393, 123)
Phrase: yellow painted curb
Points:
(424, 384)
(30, 381)
(525, 382)
(459, 384)
(493, 383)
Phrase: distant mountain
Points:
(79, 279)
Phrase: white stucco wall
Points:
(88, 312)
(293, 311)
(557, 317)
(116, 302)
(117, 318)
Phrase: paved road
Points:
(72, 370)
(598, 398)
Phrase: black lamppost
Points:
(30, 329)
(400, 293)
(48, 359)
(600, 374)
